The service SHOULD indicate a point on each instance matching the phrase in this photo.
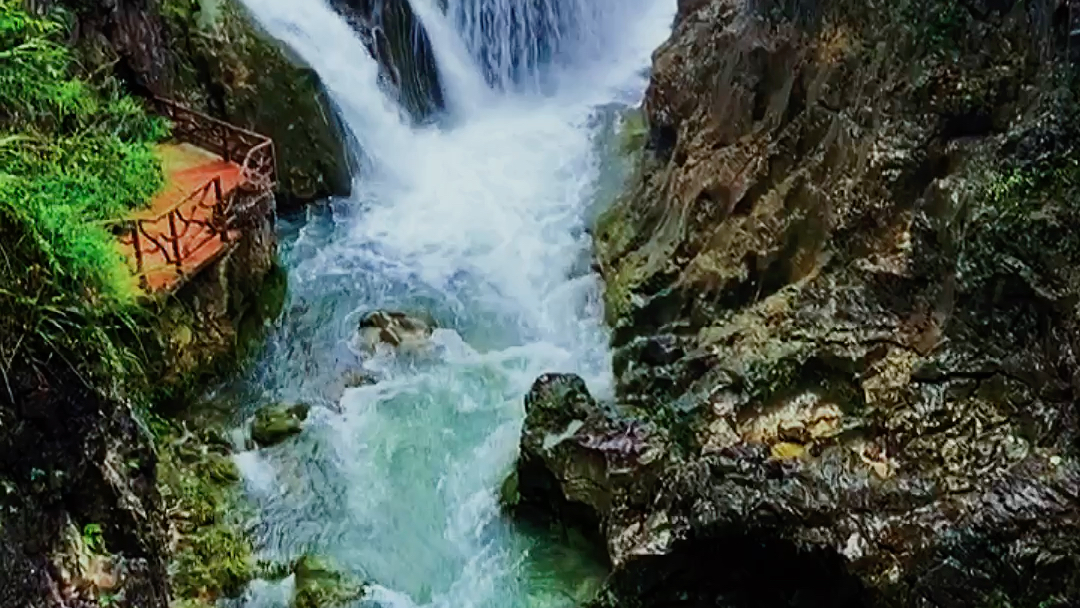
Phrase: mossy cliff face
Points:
(102, 501)
(212, 56)
(843, 295)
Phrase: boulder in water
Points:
(404, 333)
(276, 423)
(319, 584)
(577, 456)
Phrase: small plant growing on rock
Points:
(93, 539)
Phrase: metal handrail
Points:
(146, 238)
(177, 233)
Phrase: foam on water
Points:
(482, 223)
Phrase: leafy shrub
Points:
(75, 157)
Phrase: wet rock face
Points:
(582, 464)
(318, 584)
(853, 328)
(398, 41)
(71, 457)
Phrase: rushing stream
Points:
(479, 219)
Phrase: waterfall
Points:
(480, 220)
(518, 42)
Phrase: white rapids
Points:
(479, 220)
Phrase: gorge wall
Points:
(844, 310)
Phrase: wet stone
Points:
(320, 584)
(403, 333)
(276, 423)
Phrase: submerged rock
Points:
(319, 584)
(358, 378)
(274, 424)
(405, 334)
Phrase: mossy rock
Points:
(198, 480)
(223, 64)
(276, 423)
(633, 131)
(319, 584)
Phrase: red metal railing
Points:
(253, 151)
(175, 237)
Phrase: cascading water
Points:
(480, 223)
(518, 41)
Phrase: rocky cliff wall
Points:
(843, 292)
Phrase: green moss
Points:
(615, 236)
(268, 304)
(617, 294)
(1022, 223)
(276, 423)
(633, 131)
(319, 584)
(198, 482)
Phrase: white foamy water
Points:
(481, 222)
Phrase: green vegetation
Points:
(93, 540)
(75, 155)
(1022, 222)
(936, 25)
(213, 556)
(319, 584)
(633, 131)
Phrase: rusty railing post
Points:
(225, 154)
(136, 243)
(220, 212)
(175, 238)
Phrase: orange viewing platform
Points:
(214, 172)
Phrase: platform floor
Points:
(187, 169)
